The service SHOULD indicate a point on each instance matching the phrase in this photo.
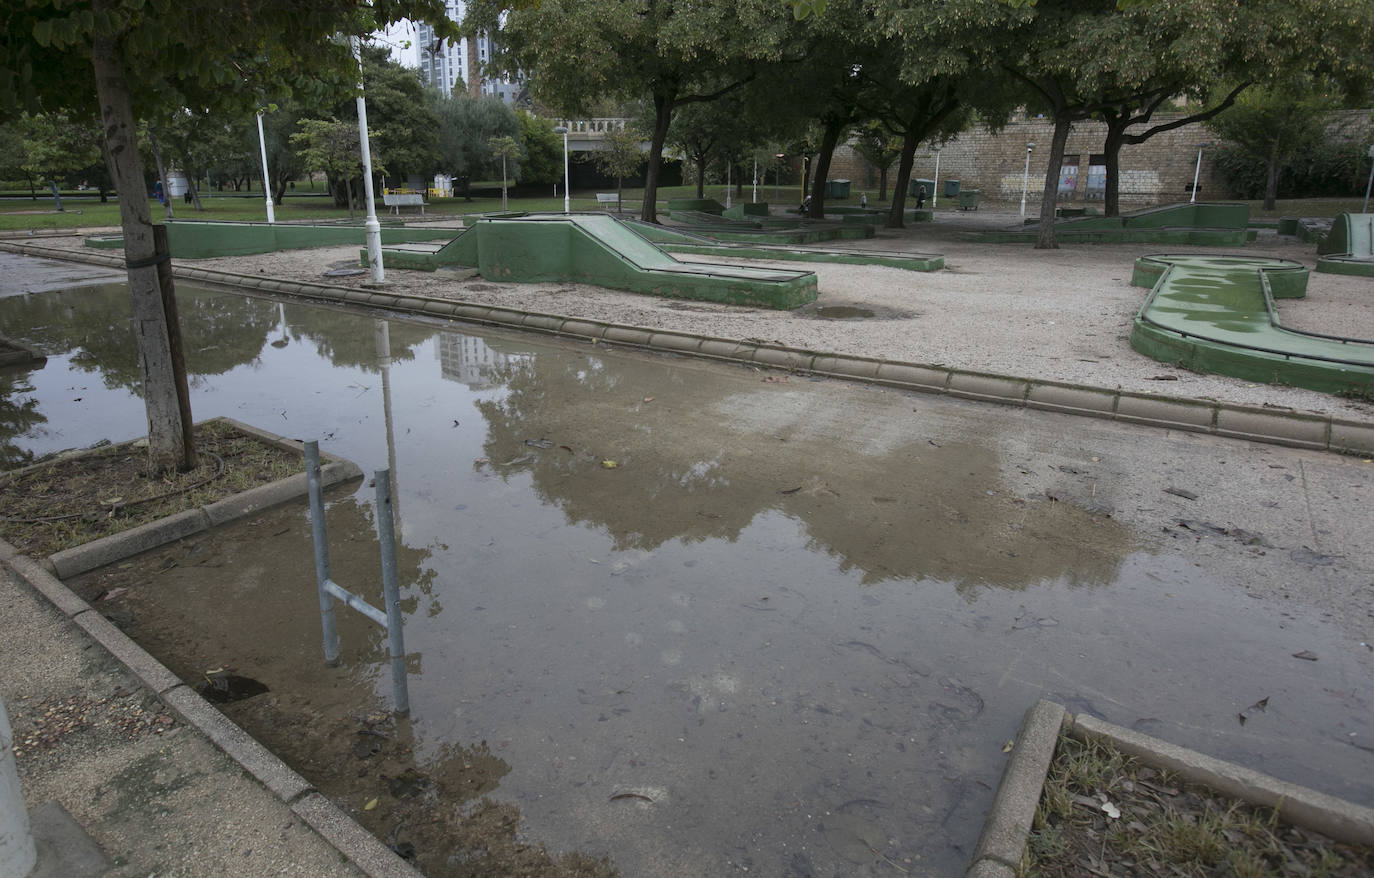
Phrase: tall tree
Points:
(668, 52)
(621, 156)
(201, 53)
(1276, 124)
(466, 126)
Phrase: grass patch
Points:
(77, 498)
(1165, 827)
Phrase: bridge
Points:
(589, 135)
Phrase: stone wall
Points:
(1157, 171)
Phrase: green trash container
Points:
(836, 188)
(917, 184)
(951, 188)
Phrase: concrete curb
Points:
(354, 843)
(1010, 818)
(125, 544)
(1268, 425)
(1274, 426)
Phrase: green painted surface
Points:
(104, 242)
(1216, 314)
(600, 250)
(745, 210)
(1349, 247)
(1216, 225)
(198, 240)
(683, 241)
(699, 205)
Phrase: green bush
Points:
(1333, 168)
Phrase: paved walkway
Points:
(153, 792)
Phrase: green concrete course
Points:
(190, 239)
(1199, 224)
(598, 249)
(1216, 314)
(683, 241)
(1349, 247)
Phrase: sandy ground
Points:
(1062, 315)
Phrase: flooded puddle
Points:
(699, 621)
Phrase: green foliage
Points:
(622, 153)
(466, 126)
(55, 146)
(1273, 126)
(543, 150)
(331, 146)
(1330, 168)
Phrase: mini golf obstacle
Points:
(1216, 314)
(598, 249)
(678, 240)
(1349, 247)
(194, 239)
(1202, 224)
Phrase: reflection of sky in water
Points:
(798, 623)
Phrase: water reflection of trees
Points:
(346, 338)
(911, 511)
(19, 415)
(93, 324)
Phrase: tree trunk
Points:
(1111, 195)
(195, 194)
(905, 162)
(1062, 123)
(161, 175)
(1271, 182)
(882, 184)
(821, 166)
(166, 443)
(663, 116)
(701, 175)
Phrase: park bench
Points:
(397, 201)
(608, 198)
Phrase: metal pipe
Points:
(567, 193)
(1371, 180)
(935, 196)
(321, 542)
(357, 603)
(396, 644)
(1025, 179)
(1196, 172)
(374, 228)
(17, 852)
(266, 184)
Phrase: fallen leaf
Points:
(372, 803)
(1179, 492)
(1111, 810)
(609, 464)
(790, 490)
(648, 399)
(1006, 748)
(1305, 655)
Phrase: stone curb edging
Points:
(356, 844)
(116, 547)
(1275, 426)
(1003, 840)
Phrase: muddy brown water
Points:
(701, 618)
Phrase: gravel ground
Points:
(1062, 315)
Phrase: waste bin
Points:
(968, 199)
(836, 188)
(951, 188)
(916, 186)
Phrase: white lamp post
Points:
(1025, 179)
(935, 196)
(1371, 180)
(1197, 171)
(567, 203)
(756, 181)
(262, 143)
(777, 179)
(729, 166)
(372, 227)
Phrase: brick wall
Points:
(1157, 171)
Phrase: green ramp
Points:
(190, 239)
(430, 255)
(1349, 247)
(597, 249)
(1216, 314)
(682, 241)
(1205, 224)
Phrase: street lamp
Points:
(567, 204)
(372, 227)
(1025, 179)
(777, 179)
(1196, 171)
(935, 196)
(262, 143)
